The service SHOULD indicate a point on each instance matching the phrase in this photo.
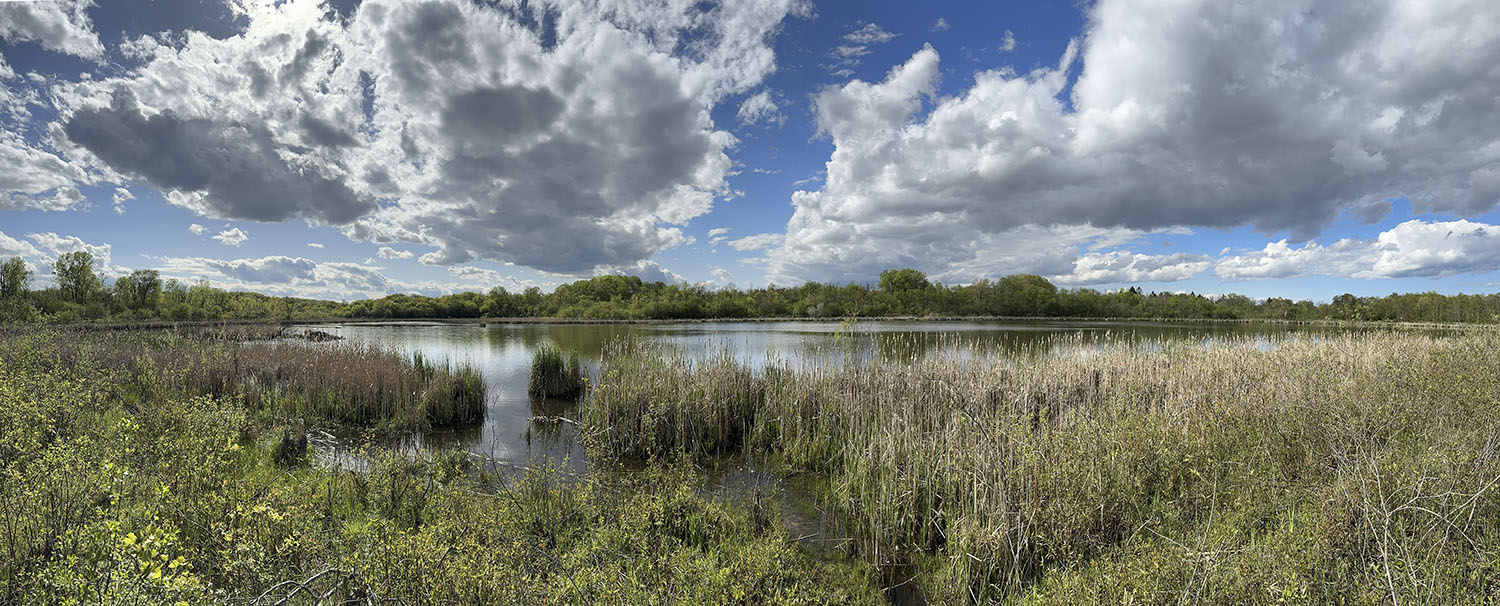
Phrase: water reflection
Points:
(512, 432)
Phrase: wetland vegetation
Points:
(174, 466)
(1348, 469)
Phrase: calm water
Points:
(502, 353)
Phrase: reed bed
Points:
(340, 383)
(1360, 468)
(555, 374)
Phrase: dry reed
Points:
(993, 473)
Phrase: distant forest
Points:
(79, 295)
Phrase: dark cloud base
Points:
(235, 164)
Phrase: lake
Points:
(511, 433)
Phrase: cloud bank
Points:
(1281, 115)
(478, 132)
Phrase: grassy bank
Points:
(1355, 469)
(144, 470)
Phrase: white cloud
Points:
(232, 237)
(869, 33)
(647, 270)
(57, 245)
(315, 245)
(387, 252)
(856, 45)
(33, 177)
(297, 276)
(1412, 249)
(1007, 42)
(717, 235)
(44, 248)
(494, 132)
(475, 274)
(57, 25)
(760, 108)
(12, 247)
(1281, 116)
(197, 229)
(1126, 267)
(119, 198)
(940, 26)
(756, 242)
(722, 275)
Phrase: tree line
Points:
(80, 295)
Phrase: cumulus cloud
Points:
(479, 132)
(12, 247)
(119, 198)
(277, 269)
(475, 274)
(35, 178)
(940, 26)
(1119, 267)
(647, 270)
(387, 252)
(296, 276)
(56, 245)
(1281, 116)
(232, 237)
(43, 249)
(197, 229)
(235, 165)
(1412, 249)
(57, 25)
(315, 245)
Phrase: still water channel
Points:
(502, 353)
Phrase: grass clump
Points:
(1348, 469)
(555, 374)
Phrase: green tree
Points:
(1026, 295)
(139, 290)
(15, 279)
(901, 280)
(74, 272)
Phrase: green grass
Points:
(555, 374)
(1350, 469)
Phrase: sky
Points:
(342, 149)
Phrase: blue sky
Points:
(349, 149)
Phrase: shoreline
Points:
(541, 321)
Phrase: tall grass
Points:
(1357, 468)
(343, 383)
(555, 374)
